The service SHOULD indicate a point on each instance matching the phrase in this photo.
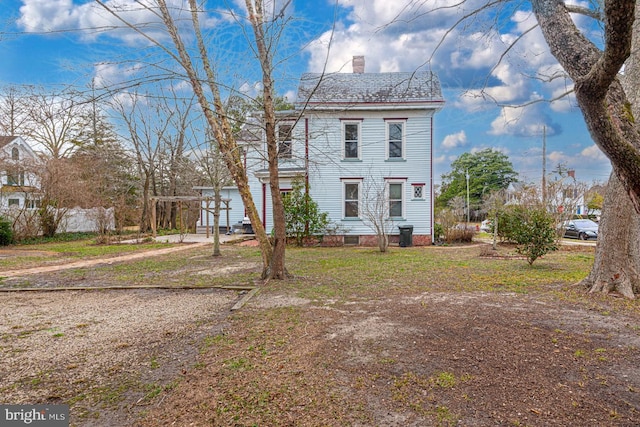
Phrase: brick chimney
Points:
(358, 64)
(571, 173)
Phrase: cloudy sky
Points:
(498, 93)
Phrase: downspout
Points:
(306, 166)
(264, 205)
(431, 207)
(306, 155)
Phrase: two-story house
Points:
(355, 137)
(18, 183)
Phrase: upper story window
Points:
(15, 178)
(352, 199)
(15, 153)
(395, 139)
(285, 142)
(351, 140)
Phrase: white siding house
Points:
(353, 132)
(18, 184)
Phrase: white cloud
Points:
(525, 122)
(557, 157)
(593, 153)
(110, 75)
(455, 140)
(91, 20)
(440, 159)
(290, 96)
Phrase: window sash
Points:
(15, 178)
(395, 139)
(351, 199)
(351, 140)
(285, 145)
(395, 191)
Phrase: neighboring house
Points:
(18, 184)
(564, 196)
(349, 133)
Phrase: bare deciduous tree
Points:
(58, 123)
(201, 73)
(376, 210)
(13, 110)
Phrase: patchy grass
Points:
(344, 273)
(440, 363)
(26, 256)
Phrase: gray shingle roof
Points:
(370, 88)
(4, 140)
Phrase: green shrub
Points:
(438, 232)
(6, 232)
(532, 230)
(302, 215)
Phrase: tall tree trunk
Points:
(217, 119)
(617, 260)
(145, 216)
(214, 110)
(277, 269)
(216, 222)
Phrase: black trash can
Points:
(406, 235)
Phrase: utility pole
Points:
(544, 166)
(467, 175)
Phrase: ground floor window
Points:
(14, 202)
(395, 194)
(32, 204)
(351, 199)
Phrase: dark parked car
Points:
(582, 229)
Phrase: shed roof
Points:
(420, 87)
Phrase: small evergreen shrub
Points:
(302, 215)
(531, 229)
(6, 232)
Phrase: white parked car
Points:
(486, 226)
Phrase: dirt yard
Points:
(430, 358)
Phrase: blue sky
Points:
(399, 35)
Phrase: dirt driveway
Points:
(107, 352)
(98, 348)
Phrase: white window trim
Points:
(358, 123)
(403, 122)
(344, 199)
(403, 200)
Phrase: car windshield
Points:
(585, 223)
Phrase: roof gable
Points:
(16, 141)
(6, 140)
(370, 88)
